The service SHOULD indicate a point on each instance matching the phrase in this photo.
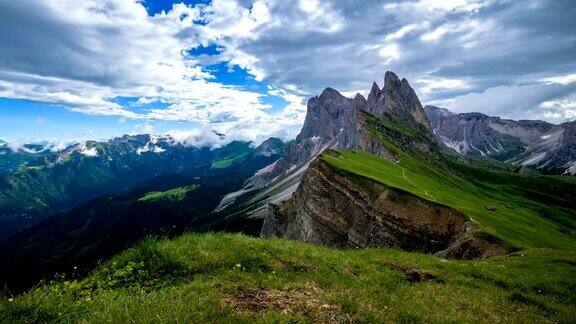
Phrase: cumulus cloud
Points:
(520, 102)
(84, 54)
(501, 57)
(446, 48)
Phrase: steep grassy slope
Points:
(167, 205)
(525, 211)
(229, 278)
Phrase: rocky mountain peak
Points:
(396, 99)
(330, 92)
(360, 98)
(374, 91)
(271, 146)
(536, 144)
(326, 115)
(332, 121)
(434, 110)
(391, 80)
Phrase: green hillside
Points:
(230, 278)
(525, 211)
(176, 194)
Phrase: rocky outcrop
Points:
(332, 121)
(525, 143)
(337, 211)
(271, 146)
(398, 99)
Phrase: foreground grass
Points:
(221, 277)
(525, 211)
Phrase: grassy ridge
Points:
(218, 277)
(524, 216)
(176, 194)
(228, 161)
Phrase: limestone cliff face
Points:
(337, 211)
(535, 144)
(332, 121)
(398, 99)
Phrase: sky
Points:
(94, 69)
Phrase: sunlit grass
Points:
(176, 194)
(516, 218)
(222, 277)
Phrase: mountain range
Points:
(60, 180)
(535, 144)
(391, 123)
(375, 172)
(11, 159)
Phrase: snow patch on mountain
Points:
(459, 146)
(150, 147)
(90, 152)
(570, 168)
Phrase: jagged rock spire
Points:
(398, 99)
(333, 121)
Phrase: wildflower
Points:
(10, 299)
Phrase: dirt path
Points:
(412, 183)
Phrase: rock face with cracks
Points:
(339, 211)
(332, 121)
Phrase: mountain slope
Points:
(355, 199)
(13, 159)
(233, 278)
(539, 145)
(332, 121)
(407, 193)
(76, 240)
(85, 171)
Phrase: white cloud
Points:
(564, 104)
(453, 5)
(84, 54)
(90, 152)
(561, 79)
(101, 50)
(405, 30)
(531, 101)
(199, 137)
(431, 84)
(389, 52)
(434, 35)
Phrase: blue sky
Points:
(102, 68)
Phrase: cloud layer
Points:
(503, 57)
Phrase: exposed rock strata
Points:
(332, 121)
(338, 211)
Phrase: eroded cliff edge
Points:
(348, 211)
